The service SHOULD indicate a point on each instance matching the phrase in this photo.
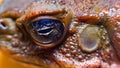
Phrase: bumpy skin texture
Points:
(18, 44)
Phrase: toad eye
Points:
(46, 31)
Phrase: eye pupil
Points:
(47, 30)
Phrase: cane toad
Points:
(61, 33)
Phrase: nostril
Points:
(3, 25)
(7, 26)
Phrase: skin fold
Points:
(84, 20)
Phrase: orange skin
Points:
(60, 55)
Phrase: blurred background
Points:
(6, 62)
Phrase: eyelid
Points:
(34, 14)
(43, 17)
(42, 13)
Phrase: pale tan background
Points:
(0, 1)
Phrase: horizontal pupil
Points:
(41, 24)
(45, 30)
(44, 25)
